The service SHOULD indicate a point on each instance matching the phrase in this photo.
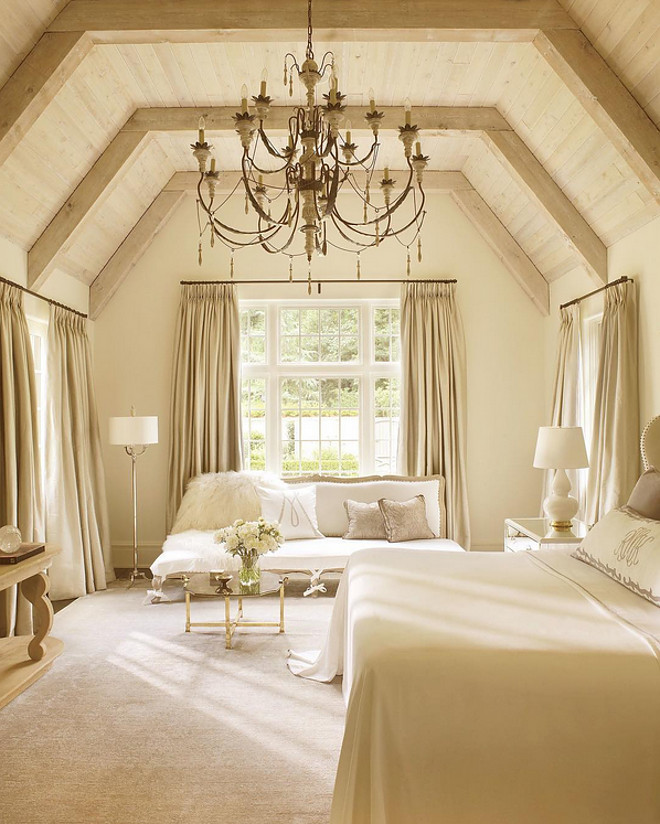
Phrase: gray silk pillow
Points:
(405, 520)
(645, 497)
(365, 521)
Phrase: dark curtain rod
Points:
(317, 281)
(623, 279)
(41, 297)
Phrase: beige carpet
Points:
(138, 722)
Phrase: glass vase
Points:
(249, 573)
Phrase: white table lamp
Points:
(560, 448)
(134, 434)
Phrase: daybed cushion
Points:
(332, 492)
(196, 551)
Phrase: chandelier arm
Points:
(325, 66)
(390, 211)
(270, 148)
(362, 161)
(349, 239)
(236, 243)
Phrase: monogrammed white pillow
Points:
(626, 546)
(294, 509)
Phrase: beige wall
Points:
(505, 343)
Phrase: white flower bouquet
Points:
(248, 540)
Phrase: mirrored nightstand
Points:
(521, 534)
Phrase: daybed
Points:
(215, 500)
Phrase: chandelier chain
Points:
(310, 50)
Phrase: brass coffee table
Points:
(212, 585)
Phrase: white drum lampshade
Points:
(560, 448)
(133, 430)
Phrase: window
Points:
(320, 387)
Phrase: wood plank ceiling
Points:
(114, 79)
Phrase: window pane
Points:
(349, 321)
(386, 330)
(253, 336)
(289, 321)
(386, 423)
(290, 350)
(322, 435)
(253, 404)
(349, 349)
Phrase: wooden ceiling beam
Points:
(36, 82)
(430, 119)
(531, 175)
(434, 182)
(136, 243)
(505, 247)
(139, 21)
(607, 100)
(97, 184)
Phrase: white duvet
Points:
(490, 688)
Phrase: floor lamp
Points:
(134, 434)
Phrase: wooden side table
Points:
(24, 658)
(521, 534)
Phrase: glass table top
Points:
(220, 584)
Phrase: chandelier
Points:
(292, 191)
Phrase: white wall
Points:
(505, 343)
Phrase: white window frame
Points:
(365, 368)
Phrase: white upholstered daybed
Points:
(217, 499)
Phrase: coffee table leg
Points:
(282, 607)
(227, 623)
(35, 590)
(187, 611)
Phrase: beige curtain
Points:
(614, 455)
(21, 501)
(76, 508)
(432, 434)
(567, 393)
(205, 420)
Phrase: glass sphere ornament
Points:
(10, 539)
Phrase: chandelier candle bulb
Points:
(201, 126)
(244, 97)
(213, 164)
(386, 173)
(372, 101)
(418, 148)
(408, 108)
(264, 81)
(348, 131)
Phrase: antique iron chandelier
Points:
(295, 192)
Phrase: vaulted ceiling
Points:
(555, 130)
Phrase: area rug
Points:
(139, 722)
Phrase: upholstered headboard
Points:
(650, 443)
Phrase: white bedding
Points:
(489, 688)
(196, 551)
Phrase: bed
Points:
(486, 688)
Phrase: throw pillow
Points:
(626, 546)
(405, 520)
(645, 497)
(217, 499)
(365, 521)
(294, 509)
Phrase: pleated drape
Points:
(205, 421)
(432, 433)
(614, 456)
(21, 500)
(76, 506)
(567, 393)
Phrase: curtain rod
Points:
(320, 281)
(623, 279)
(42, 297)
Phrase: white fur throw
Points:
(217, 499)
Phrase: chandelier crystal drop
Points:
(291, 191)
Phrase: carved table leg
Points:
(35, 590)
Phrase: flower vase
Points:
(250, 572)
